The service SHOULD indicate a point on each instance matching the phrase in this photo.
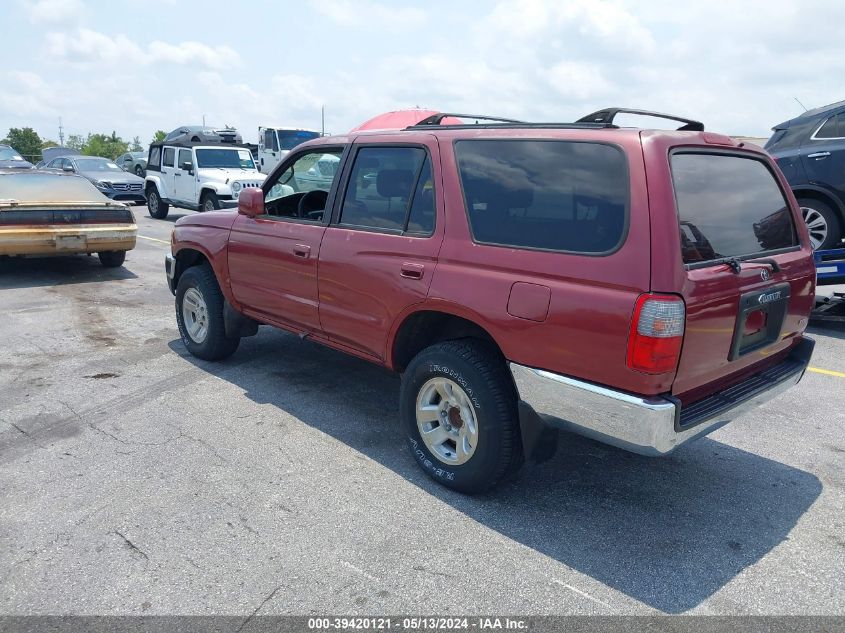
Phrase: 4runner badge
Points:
(766, 298)
(764, 274)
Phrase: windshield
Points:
(96, 164)
(288, 139)
(225, 158)
(7, 153)
(729, 206)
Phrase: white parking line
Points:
(153, 239)
(582, 593)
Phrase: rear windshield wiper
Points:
(735, 263)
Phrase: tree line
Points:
(29, 144)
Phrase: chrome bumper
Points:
(170, 271)
(648, 426)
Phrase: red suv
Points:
(640, 287)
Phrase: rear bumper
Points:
(67, 240)
(652, 425)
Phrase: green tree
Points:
(159, 136)
(136, 145)
(26, 141)
(75, 141)
(45, 143)
(105, 146)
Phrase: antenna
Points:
(61, 133)
(801, 104)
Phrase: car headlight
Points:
(102, 184)
(236, 186)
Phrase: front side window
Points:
(169, 156)
(302, 189)
(550, 195)
(390, 188)
(270, 140)
(184, 157)
(729, 206)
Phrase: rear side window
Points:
(390, 188)
(155, 158)
(551, 195)
(169, 156)
(834, 127)
(729, 206)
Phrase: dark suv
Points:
(640, 287)
(810, 151)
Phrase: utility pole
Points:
(323, 120)
(203, 120)
(61, 133)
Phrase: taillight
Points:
(657, 332)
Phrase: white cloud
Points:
(362, 12)
(53, 10)
(88, 47)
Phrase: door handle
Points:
(818, 155)
(302, 250)
(412, 271)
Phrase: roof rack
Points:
(437, 119)
(608, 114)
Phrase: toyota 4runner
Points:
(639, 287)
(197, 176)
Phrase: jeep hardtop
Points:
(198, 176)
(639, 287)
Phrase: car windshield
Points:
(288, 139)
(96, 164)
(225, 158)
(7, 153)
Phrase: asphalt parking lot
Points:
(137, 479)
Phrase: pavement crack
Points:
(134, 548)
(202, 442)
(432, 572)
(257, 609)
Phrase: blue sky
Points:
(157, 64)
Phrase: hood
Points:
(218, 219)
(113, 176)
(15, 164)
(230, 174)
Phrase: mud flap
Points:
(236, 324)
(539, 440)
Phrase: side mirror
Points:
(67, 168)
(251, 202)
(187, 165)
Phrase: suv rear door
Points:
(727, 203)
(823, 154)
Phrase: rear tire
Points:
(199, 315)
(112, 259)
(459, 394)
(139, 171)
(157, 208)
(209, 202)
(822, 222)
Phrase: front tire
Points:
(112, 259)
(822, 222)
(139, 171)
(158, 209)
(199, 315)
(209, 202)
(459, 413)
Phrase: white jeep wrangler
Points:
(198, 176)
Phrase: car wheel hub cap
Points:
(816, 224)
(195, 315)
(446, 421)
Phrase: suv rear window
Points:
(545, 194)
(729, 206)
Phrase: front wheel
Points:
(209, 202)
(112, 259)
(139, 171)
(459, 413)
(199, 315)
(822, 222)
(157, 208)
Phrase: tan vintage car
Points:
(44, 213)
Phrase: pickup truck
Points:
(639, 287)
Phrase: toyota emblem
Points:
(764, 274)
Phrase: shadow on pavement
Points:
(668, 532)
(25, 272)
